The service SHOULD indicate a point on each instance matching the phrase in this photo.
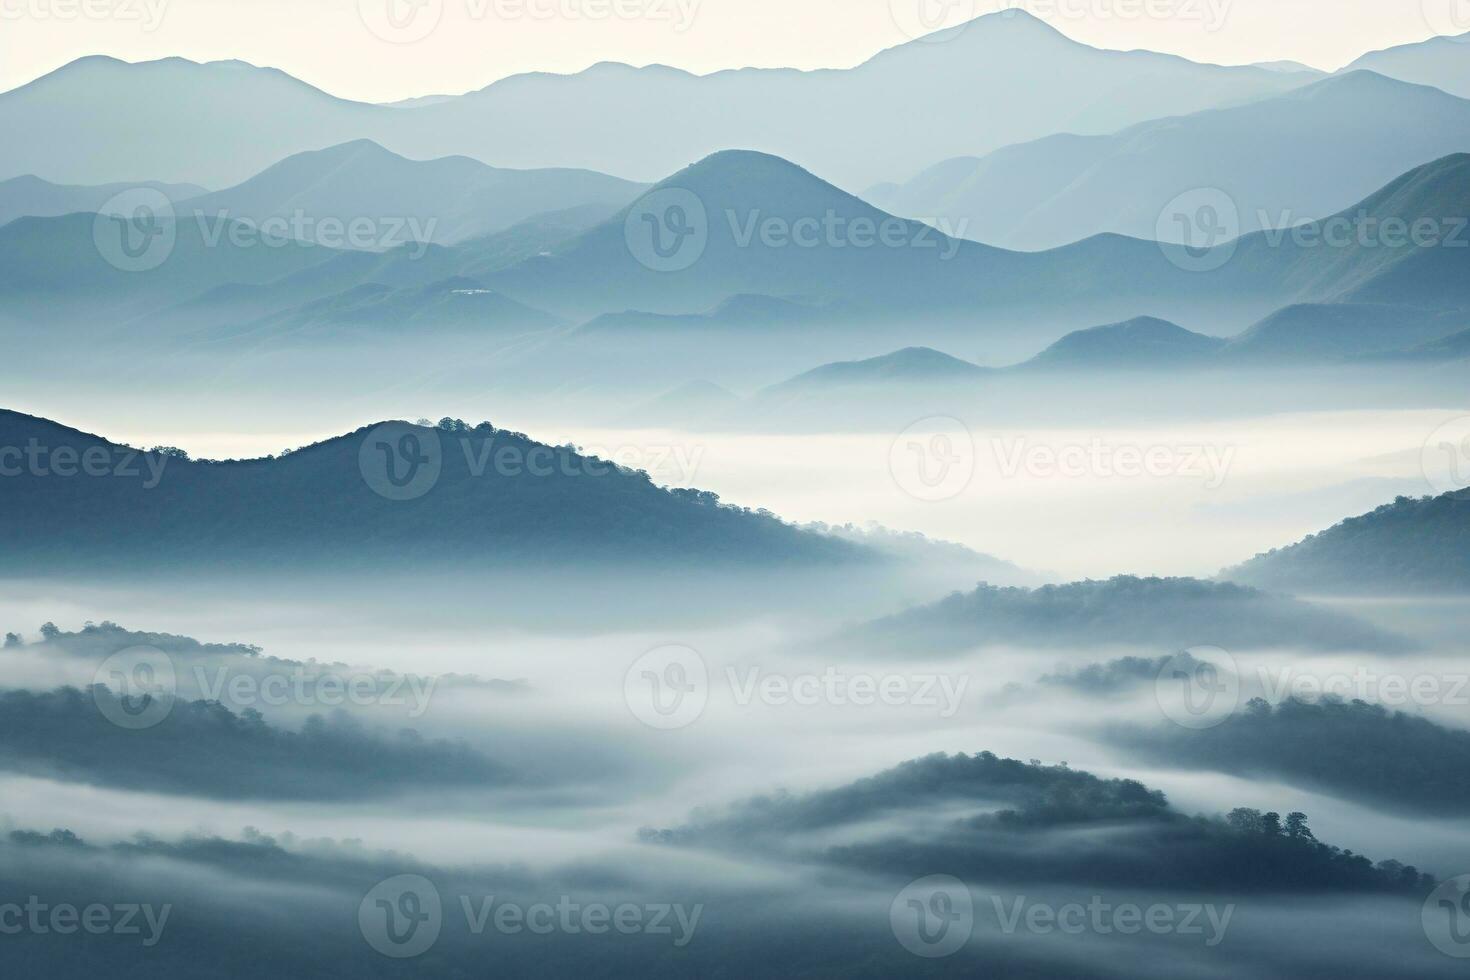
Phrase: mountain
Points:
(1365, 131)
(1318, 332)
(32, 197)
(1143, 342)
(445, 200)
(452, 306)
(1153, 612)
(175, 120)
(1409, 546)
(219, 123)
(910, 366)
(1443, 62)
(390, 496)
(52, 269)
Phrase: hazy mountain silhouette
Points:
(1315, 332)
(910, 366)
(1365, 131)
(1408, 546)
(496, 499)
(1172, 612)
(219, 123)
(453, 306)
(1443, 62)
(32, 197)
(449, 199)
(1143, 342)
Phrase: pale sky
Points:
(474, 42)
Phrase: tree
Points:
(1296, 826)
(1271, 824)
(49, 631)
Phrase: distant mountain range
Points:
(1153, 612)
(217, 124)
(1408, 546)
(865, 273)
(1439, 61)
(408, 496)
(1365, 131)
(445, 201)
(31, 196)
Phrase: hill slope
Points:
(1365, 131)
(445, 200)
(1408, 546)
(219, 123)
(481, 498)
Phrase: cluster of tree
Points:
(1348, 748)
(1411, 545)
(1137, 838)
(314, 509)
(201, 748)
(1169, 612)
